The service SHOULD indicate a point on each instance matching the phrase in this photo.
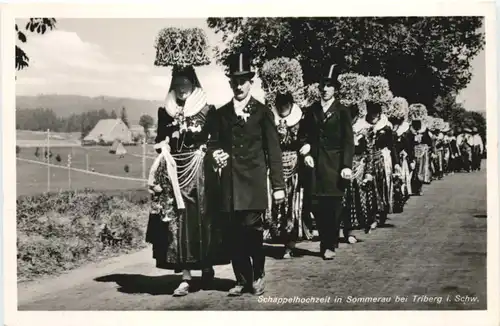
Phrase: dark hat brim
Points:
(329, 79)
(249, 74)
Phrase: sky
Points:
(114, 57)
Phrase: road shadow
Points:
(386, 226)
(343, 240)
(159, 285)
(480, 216)
(277, 252)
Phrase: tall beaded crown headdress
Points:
(379, 92)
(446, 127)
(353, 90)
(311, 94)
(181, 47)
(438, 124)
(398, 108)
(281, 75)
(429, 122)
(417, 111)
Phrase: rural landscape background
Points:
(80, 196)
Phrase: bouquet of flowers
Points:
(417, 111)
(281, 75)
(398, 108)
(181, 47)
(353, 88)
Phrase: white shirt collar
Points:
(326, 105)
(240, 105)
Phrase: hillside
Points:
(66, 105)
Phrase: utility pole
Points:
(69, 171)
(48, 160)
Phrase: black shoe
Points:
(207, 276)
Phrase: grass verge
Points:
(58, 232)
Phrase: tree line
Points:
(425, 59)
(422, 57)
(41, 119)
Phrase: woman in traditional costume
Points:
(282, 82)
(404, 149)
(440, 148)
(375, 135)
(183, 227)
(447, 149)
(353, 92)
(423, 146)
(357, 202)
(466, 149)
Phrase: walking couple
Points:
(209, 181)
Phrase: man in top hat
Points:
(466, 149)
(459, 161)
(477, 149)
(327, 140)
(244, 144)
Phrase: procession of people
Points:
(227, 180)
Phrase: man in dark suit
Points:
(327, 147)
(244, 144)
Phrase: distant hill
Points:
(66, 105)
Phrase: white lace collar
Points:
(422, 129)
(193, 105)
(403, 127)
(381, 123)
(292, 119)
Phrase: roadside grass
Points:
(58, 232)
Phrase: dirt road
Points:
(432, 256)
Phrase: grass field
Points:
(42, 135)
(32, 177)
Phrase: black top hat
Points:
(331, 72)
(240, 65)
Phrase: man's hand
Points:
(346, 173)
(397, 169)
(309, 161)
(220, 158)
(305, 150)
(412, 165)
(279, 196)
